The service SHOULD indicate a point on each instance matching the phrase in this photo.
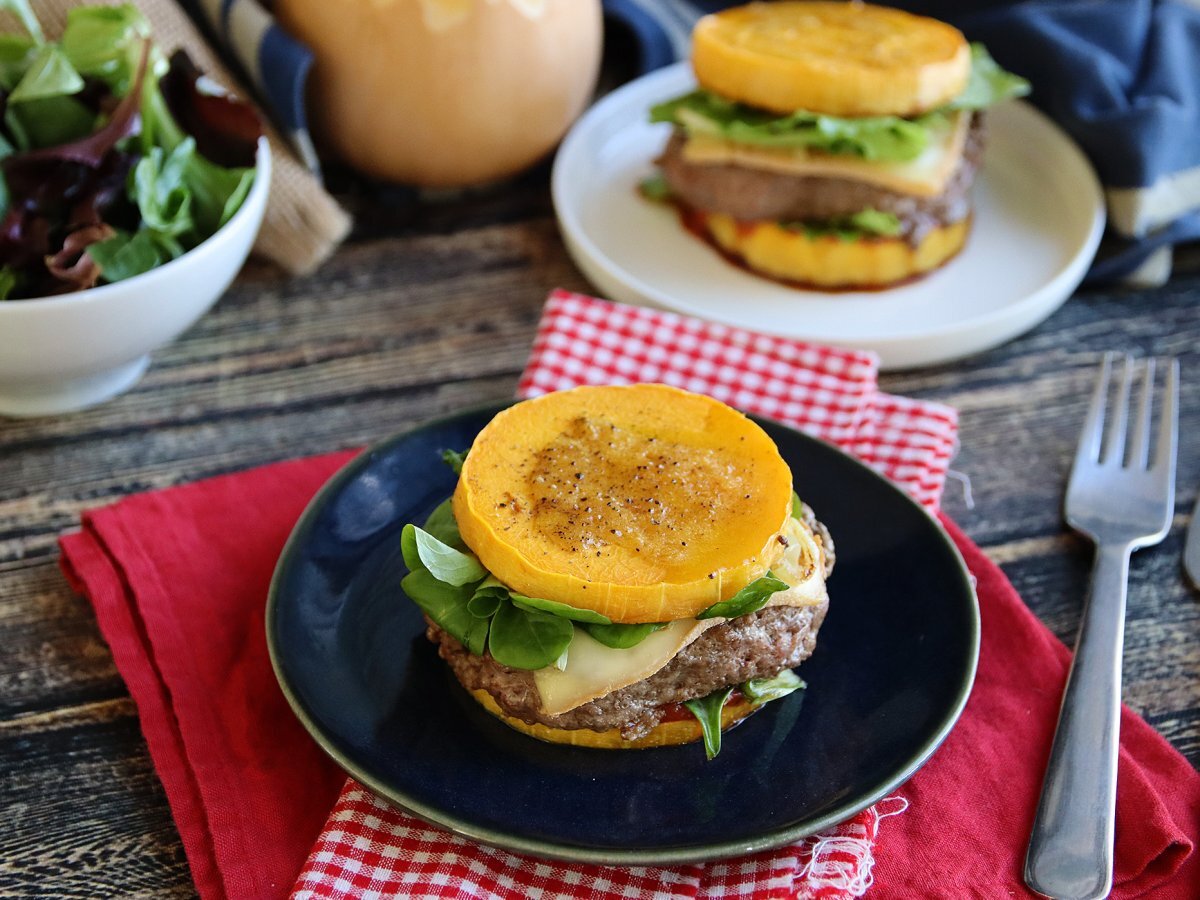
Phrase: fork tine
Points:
(1088, 450)
(1139, 449)
(1114, 441)
(1168, 427)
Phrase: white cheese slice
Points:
(593, 670)
(925, 176)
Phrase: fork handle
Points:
(1071, 848)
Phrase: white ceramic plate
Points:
(1039, 213)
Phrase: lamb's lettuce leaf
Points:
(454, 567)
(621, 636)
(564, 610)
(707, 711)
(528, 638)
(751, 598)
(763, 690)
(443, 526)
(446, 605)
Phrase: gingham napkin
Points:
(369, 849)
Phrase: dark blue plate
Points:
(892, 670)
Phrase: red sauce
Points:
(677, 712)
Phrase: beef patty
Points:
(751, 194)
(758, 645)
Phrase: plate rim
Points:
(599, 855)
(1026, 311)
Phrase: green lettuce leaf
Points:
(159, 190)
(707, 711)
(797, 507)
(443, 526)
(423, 551)
(126, 255)
(989, 84)
(763, 690)
(106, 42)
(446, 605)
(50, 74)
(528, 639)
(751, 598)
(454, 459)
(554, 608)
(50, 121)
(882, 138)
(622, 637)
(487, 598)
(873, 137)
(16, 53)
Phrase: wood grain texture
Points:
(432, 307)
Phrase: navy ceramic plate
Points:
(893, 667)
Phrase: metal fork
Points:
(1123, 501)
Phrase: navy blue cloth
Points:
(1122, 77)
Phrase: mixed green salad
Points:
(451, 586)
(114, 159)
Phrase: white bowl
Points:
(59, 354)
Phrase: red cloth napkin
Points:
(179, 578)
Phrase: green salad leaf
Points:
(707, 711)
(50, 74)
(763, 690)
(126, 255)
(622, 637)
(446, 605)
(106, 42)
(161, 192)
(889, 138)
(857, 226)
(751, 598)
(988, 84)
(882, 138)
(443, 526)
(487, 598)
(566, 611)
(797, 507)
(655, 187)
(454, 567)
(528, 639)
(16, 54)
(455, 459)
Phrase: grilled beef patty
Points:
(756, 194)
(758, 645)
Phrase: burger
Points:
(830, 144)
(621, 567)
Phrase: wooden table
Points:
(427, 309)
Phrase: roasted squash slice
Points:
(644, 503)
(842, 59)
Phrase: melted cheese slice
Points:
(925, 176)
(594, 670)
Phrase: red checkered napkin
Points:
(369, 849)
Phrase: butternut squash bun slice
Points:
(621, 568)
(643, 503)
